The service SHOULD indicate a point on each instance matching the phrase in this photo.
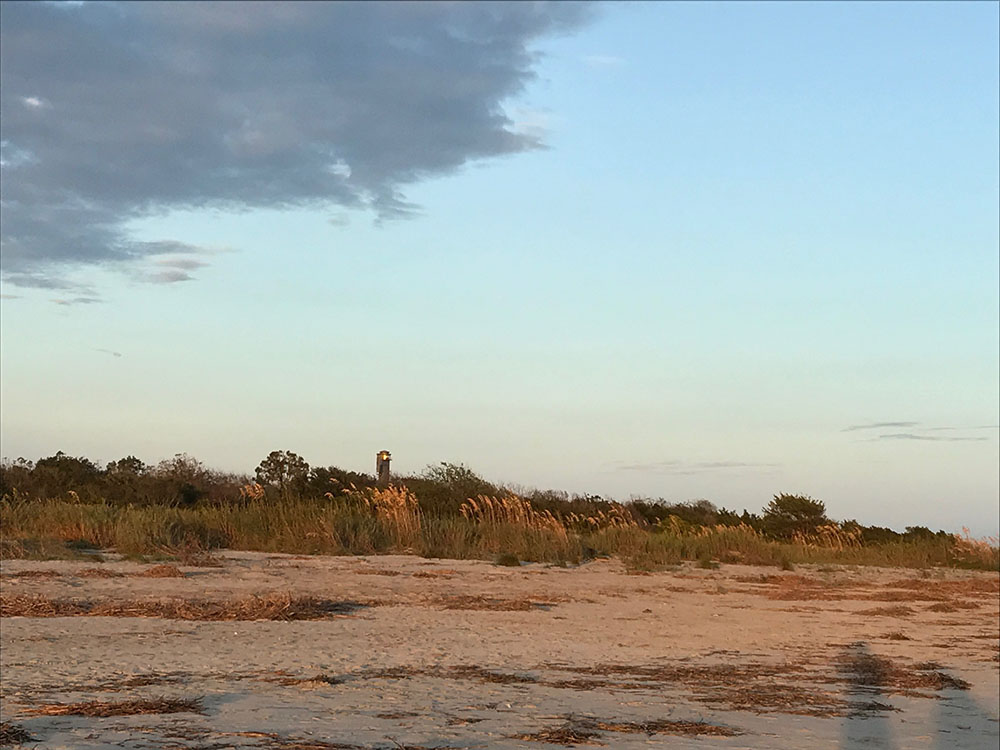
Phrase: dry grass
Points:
(280, 606)
(968, 551)
(569, 734)
(99, 573)
(617, 517)
(318, 680)
(896, 636)
(897, 611)
(161, 571)
(471, 672)
(33, 574)
(586, 731)
(980, 586)
(156, 571)
(870, 670)
(734, 686)
(435, 574)
(830, 536)
(684, 728)
(377, 572)
(398, 511)
(12, 734)
(508, 510)
(120, 708)
(488, 603)
(380, 521)
(952, 606)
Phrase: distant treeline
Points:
(184, 482)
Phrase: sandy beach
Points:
(416, 653)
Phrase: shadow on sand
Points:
(954, 722)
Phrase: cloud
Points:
(922, 433)
(109, 351)
(168, 276)
(878, 425)
(932, 438)
(975, 427)
(115, 111)
(186, 264)
(78, 301)
(10, 296)
(672, 466)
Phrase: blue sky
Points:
(707, 241)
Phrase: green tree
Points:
(787, 515)
(442, 488)
(282, 468)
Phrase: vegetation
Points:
(64, 506)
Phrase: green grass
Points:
(47, 529)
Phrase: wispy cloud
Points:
(930, 438)
(674, 466)
(109, 351)
(10, 296)
(77, 301)
(41, 280)
(921, 433)
(878, 426)
(168, 276)
(186, 264)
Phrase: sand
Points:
(467, 654)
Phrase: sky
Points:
(677, 250)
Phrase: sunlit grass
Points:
(391, 521)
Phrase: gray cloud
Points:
(188, 264)
(40, 280)
(77, 301)
(932, 438)
(672, 466)
(114, 111)
(109, 351)
(878, 425)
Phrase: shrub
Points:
(788, 515)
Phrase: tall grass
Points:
(391, 520)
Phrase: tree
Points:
(787, 515)
(183, 479)
(324, 479)
(128, 466)
(282, 468)
(60, 473)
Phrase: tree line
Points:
(184, 481)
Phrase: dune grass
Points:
(391, 521)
